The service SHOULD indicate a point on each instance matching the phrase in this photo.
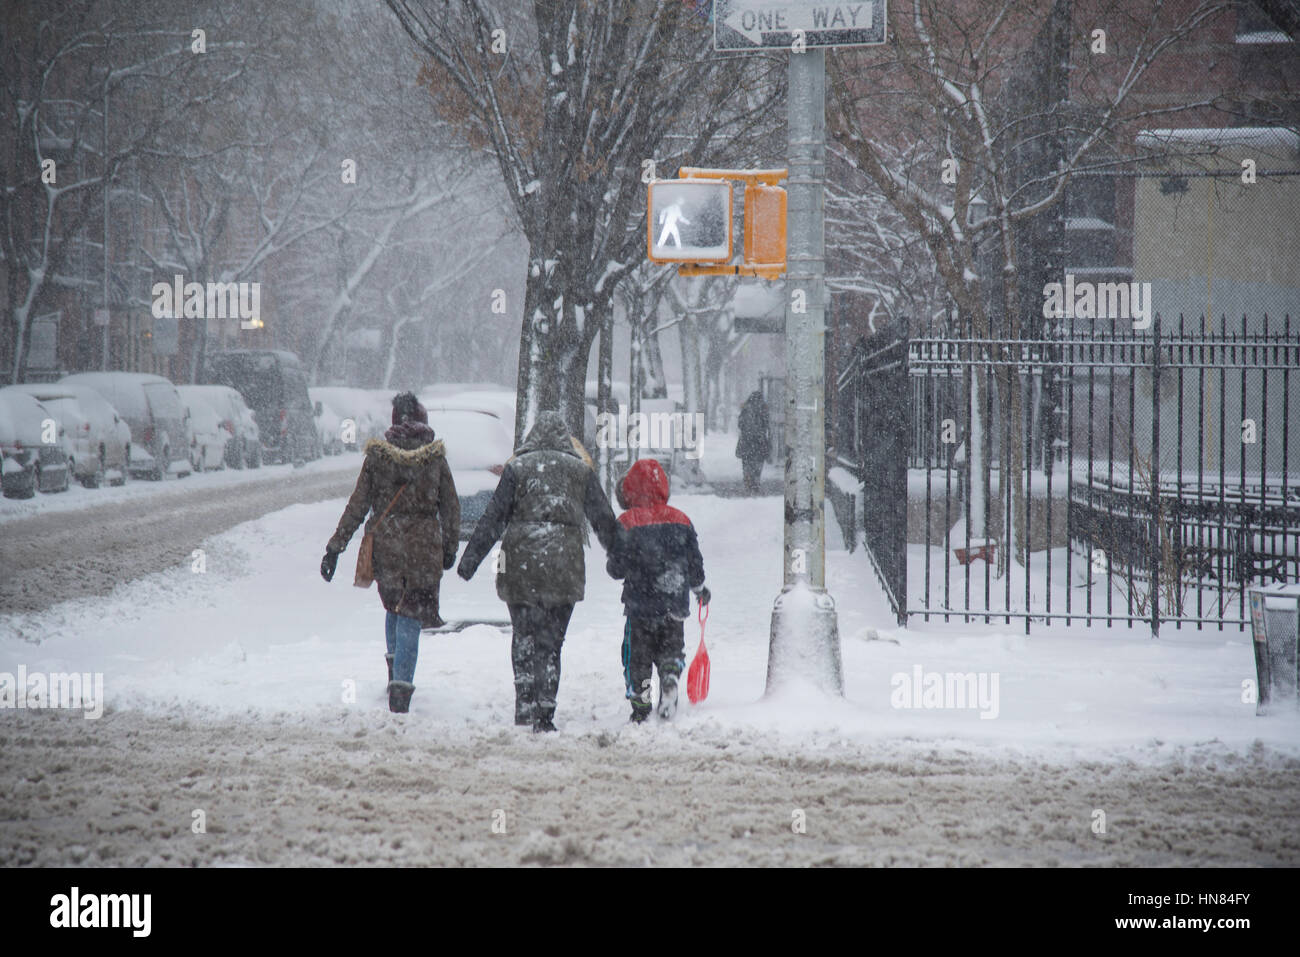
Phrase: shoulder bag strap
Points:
(390, 505)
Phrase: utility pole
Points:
(107, 188)
(804, 648)
(805, 644)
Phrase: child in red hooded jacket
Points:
(658, 557)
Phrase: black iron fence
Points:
(1094, 474)
(873, 391)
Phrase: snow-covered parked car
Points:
(252, 441)
(273, 383)
(17, 474)
(477, 396)
(123, 432)
(208, 437)
(244, 448)
(329, 424)
(364, 414)
(96, 439)
(31, 464)
(150, 405)
(479, 442)
(72, 429)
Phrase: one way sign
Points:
(752, 24)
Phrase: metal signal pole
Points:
(805, 643)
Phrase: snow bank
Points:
(78, 497)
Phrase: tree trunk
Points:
(604, 403)
(560, 325)
(20, 344)
(652, 365)
(21, 315)
(199, 350)
(690, 364)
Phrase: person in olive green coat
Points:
(547, 494)
(406, 474)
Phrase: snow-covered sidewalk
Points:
(258, 652)
(259, 630)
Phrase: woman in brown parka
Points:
(406, 488)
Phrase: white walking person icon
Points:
(669, 218)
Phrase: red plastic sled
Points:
(697, 678)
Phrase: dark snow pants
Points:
(535, 653)
(659, 642)
(752, 469)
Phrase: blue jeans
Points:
(403, 635)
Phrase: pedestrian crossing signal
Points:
(689, 221)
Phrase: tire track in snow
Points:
(54, 556)
(367, 790)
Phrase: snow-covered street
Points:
(84, 542)
(365, 787)
(231, 691)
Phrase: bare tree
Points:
(571, 97)
(929, 99)
(421, 281)
(700, 305)
(61, 66)
(876, 256)
(641, 292)
(271, 197)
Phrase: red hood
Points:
(646, 484)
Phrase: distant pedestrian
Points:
(755, 440)
(406, 488)
(547, 494)
(658, 558)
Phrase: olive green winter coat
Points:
(540, 510)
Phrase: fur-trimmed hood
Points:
(550, 432)
(423, 455)
(407, 499)
(581, 452)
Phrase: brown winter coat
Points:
(421, 532)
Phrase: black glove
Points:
(328, 564)
(448, 558)
(703, 595)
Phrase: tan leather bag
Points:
(365, 575)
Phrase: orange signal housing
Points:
(765, 238)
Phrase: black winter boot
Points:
(389, 659)
(399, 696)
(521, 660)
(667, 695)
(639, 713)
